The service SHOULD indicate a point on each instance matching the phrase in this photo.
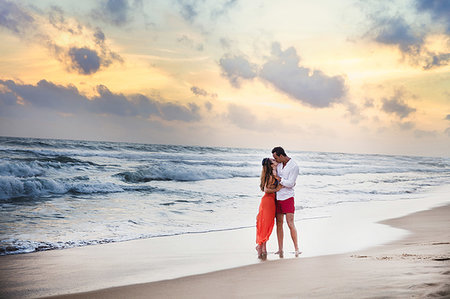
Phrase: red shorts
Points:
(285, 206)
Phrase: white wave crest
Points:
(20, 169)
(12, 187)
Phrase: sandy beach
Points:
(417, 266)
(346, 255)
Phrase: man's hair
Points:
(279, 151)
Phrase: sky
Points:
(331, 76)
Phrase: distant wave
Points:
(170, 172)
(11, 187)
(29, 167)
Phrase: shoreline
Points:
(416, 266)
(159, 261)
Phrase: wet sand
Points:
(417, 266)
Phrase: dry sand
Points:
(418, 265)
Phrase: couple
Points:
(278, 178)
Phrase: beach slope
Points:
(415, 266)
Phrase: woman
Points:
(265, 219)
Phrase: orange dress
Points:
(265, 219)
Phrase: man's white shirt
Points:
(288, 176)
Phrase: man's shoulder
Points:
(293, 163)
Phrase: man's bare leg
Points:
(280, 233)
(291, 225)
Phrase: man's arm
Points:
(291, 178)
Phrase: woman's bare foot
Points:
(259, 250)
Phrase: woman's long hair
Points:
(266, 172)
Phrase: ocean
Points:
(57, 194)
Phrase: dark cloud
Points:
(236, 68)
(311, 87)
(189, 9)
(447, 117)
(410, 33)
(99, 36)
(396, 31)
(85, 61)
(201, 92)
(437, 60)
(14, 18)
(198, 91)
(68, 99)
(115, 12)
(396, 105)
(89, 56)
(438, 9)
(45, 95)
(282, 70)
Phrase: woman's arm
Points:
(275, 174)
(272, 190)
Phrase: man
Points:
(287, 172)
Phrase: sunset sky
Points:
(325, 75)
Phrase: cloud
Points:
(409, 32)
(282, 71)
(447, 131)
(191, 10)
(115, 12)
(81, 48)
(395, 31)
(396, 105)
(437, 60)
(438, 9)
(447, 117)
(14, 18)
(201, 92)
(198, 91)
(311, 87)
(67, 99)
(84, 60)
(236, 68)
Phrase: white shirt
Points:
(288, 176)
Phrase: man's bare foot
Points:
(280, 253)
